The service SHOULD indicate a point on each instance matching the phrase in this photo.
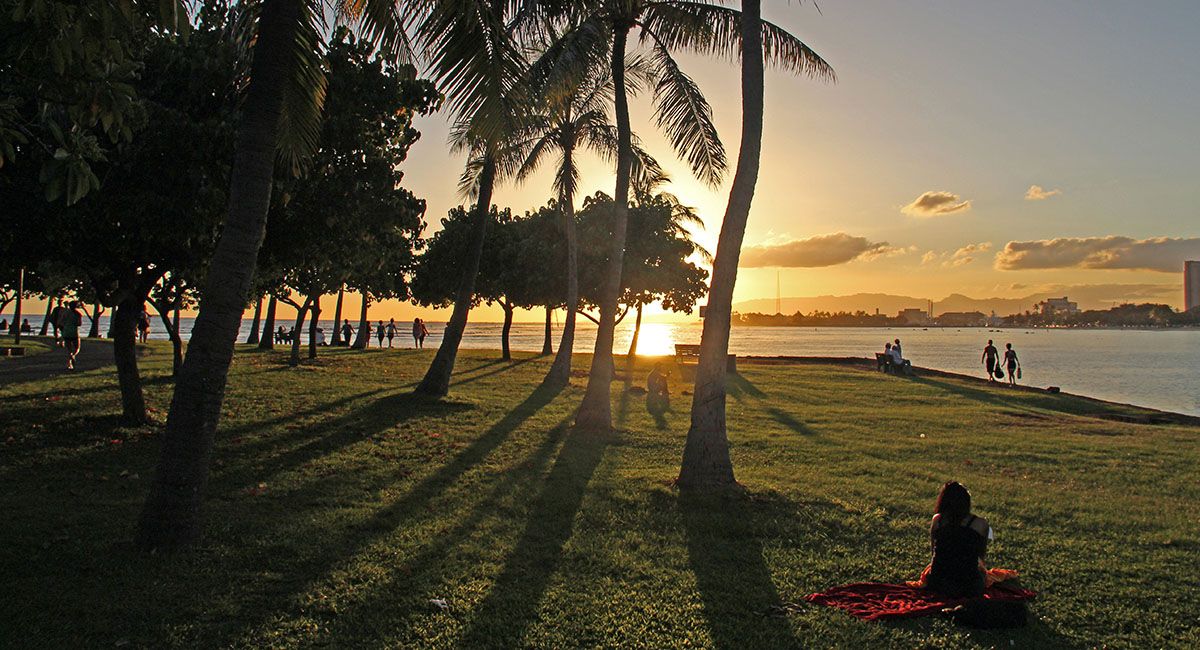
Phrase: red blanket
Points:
(872, 600)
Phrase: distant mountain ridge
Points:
(1097, 296)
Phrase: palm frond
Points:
(716, 30)
(304, 94)
(386, 23)
(685, 117)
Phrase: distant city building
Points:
(962, 319)
(913, 317)
(1191, 285)
(1056, 306)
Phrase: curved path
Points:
(93, 354)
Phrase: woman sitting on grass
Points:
(959, 542)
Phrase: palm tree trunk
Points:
(253, 338)
(547, 348)
(133, 403)
(172, 514)
(596, 410)
(94, 330)
(46, 318)
(436, 382)
(301, 313)
(313, 325)
(336, 337)
(637, 331)
(505, 352)
(363, 338)
(15, 331)
(560, 371)
(266, 340)
(706, 463)
(172, 327)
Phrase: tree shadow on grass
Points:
(512, 604)
(459, 380)
(735, 584)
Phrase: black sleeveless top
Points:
(956, 552)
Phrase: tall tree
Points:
(706, 463)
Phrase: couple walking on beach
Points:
(991, 361)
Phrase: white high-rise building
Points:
(1191, 285)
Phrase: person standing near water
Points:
(70, 320)
(391, 330)
(990, 356)
(380, 333)
(416, 332)
(56, 316)
(347, 331)
(1013, 364)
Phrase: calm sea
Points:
(1158, 369)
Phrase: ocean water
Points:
(1155, 368)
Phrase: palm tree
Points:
(478, 58)
(706, 463)
(572, 119)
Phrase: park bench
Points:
(884, 363)
(11, 351)
(685, 352)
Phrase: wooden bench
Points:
(885, 363)
(11, 351)
(685, 352)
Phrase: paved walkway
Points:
(93, 354)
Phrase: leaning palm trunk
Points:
(547, 350)
(252, 339)
(437, 379)
(172, 514)
(337, 320)
(46, 318)
(596, 410)
(363, 338)
(560, 371)
(637, 332)
(313, 326)
(706, 463)
(505, 349)
(133, 403)
(266, 340)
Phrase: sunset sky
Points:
(984, 148)
(954, 129)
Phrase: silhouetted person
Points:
(3, 325)
(56, 316)
(143, 326)
(959, 540)
(658, 393)
(419, 332)
(990, 357)
(291, 335)
(366, 333)
(347, 331)
(280, 335)
(896, 347)
(26, 328)
(70, 322)
(380, 332)
(1012, 363)
(321, 337)
(391, 330)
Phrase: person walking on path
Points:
(391, 330)
(380, 332)
(56, 316)
(1013, 364)
(347, 331)
(990, 356)
(71, 321)
(416, 332)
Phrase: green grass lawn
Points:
(32, 345)
(340, 506)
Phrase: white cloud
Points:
(1037, 193)
(934, 203)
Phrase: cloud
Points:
(960, 257)
(1036, 193)
(934, 203)
(818, 251)
(1164, 254)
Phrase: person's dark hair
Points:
(989, 341)
(953, 503)
(1008, 345)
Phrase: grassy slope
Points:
(340, 506)
(31, 344)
